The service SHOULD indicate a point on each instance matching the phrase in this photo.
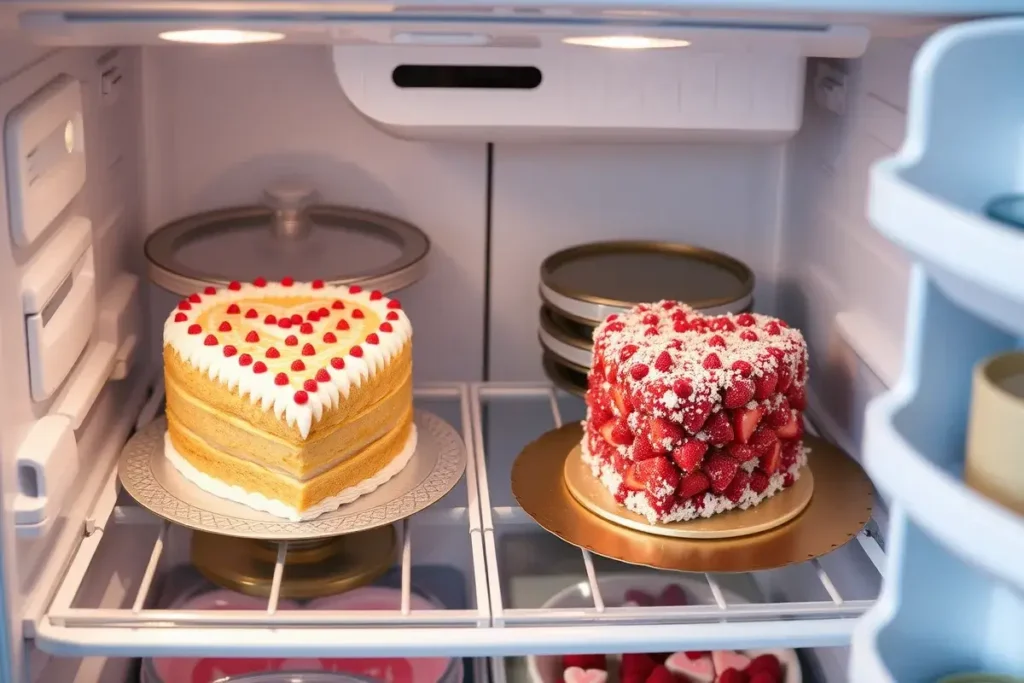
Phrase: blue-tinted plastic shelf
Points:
(962, 150)
(936, 616)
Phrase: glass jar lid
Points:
(291, 234)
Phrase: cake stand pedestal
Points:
(838, 509)
(434, 469)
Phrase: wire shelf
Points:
(497, 549)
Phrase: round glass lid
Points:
(290, 235)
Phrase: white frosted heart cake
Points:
(292, 398)
(690, 415)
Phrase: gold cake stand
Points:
(839, 501)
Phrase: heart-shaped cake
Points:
(292, 398)
(691, 415)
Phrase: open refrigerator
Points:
(843, 149)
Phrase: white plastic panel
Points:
(726, 85)
(47, 465)
(44, 152)
(59, 302)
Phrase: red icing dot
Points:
(386, 327)
(337, 305)
(259, 367)
(284, 323)
(627, 352)
(233, 308)
(322, 375)
(260, 282)
(712, 361)
(194, 329)
(270, 319)
(298, 365)
(718, 341)
(210, 340)
(394, 303)
(234, 285)
(229, 351)
(358, 314)
(330, 338)
(313, 316)
(744, 320)
(372, 338)
(323, 312)
(772, 328)
(245, 359)
(209, 290)
(318, 284)
(224, 327)
(342, 325)
(650, 319)
(180, 317)
(273, 353)
(663, 363)
(355, 289)
(301, 397)
(639, 371)
(356, 351)
(392, 315)
(681, 326)
(291, 340)
(184, 306)
(308, 350)
(296, 318)
(194, 298)
(306, 328)
(309, 385)
(748, 335)
(616, 327)
(375, 295)
(287, 281)
(252, 337)
(280, 379)
(338, 363)
(682, 388)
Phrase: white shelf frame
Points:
(491, 629)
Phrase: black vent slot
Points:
(466, 77)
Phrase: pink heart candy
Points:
(574, 674)
(729, 659)
(700, 670)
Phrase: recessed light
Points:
(220, 36)
(626, 42)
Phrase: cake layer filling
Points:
(299, 495)
(232, 435)
(371, 390)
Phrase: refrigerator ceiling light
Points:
(220, 36)
(626, 42)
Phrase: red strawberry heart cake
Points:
(292, 398)
(691, 415)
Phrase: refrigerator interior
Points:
(174, 130)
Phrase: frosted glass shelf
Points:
(962, 150)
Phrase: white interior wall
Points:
(721, 196)
(222, 124)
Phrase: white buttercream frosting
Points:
(278, 508)
(346, 335)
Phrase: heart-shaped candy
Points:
(690, 670)
(729, 659)
(575, 674)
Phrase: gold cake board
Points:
(772, 512)
(838, 510)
